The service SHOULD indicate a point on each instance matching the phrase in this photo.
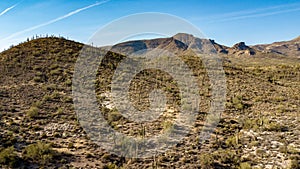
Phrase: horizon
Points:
(138, 38)
(252, 22)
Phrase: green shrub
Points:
(238, 103)
(55, 95)
(37, 104)
(274, 126)
(32, 112)
(232, 141)
(50, 87)
(37, 68)
(37, 79)
(263, 123)
(67, 99)
(68, 82)
(59, 110)
(39, 74)
(46, 98)
(53, 66)
(56, 72)
(114, 115)
(110, 166)
(39, 152)
(206, 161)
(227, 157)
(292, 150)
(245, 166)
(8, 157)
(70, 145)
(168, 126)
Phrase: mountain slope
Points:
(259, 126)
(182, 42)
(204, 45)
(286, 48)
(169, 44)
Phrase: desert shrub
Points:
(167, 126)
(239, 106)
(67, 99)
(37, 68)
(39, 74)
(274, 126)
(46, 98)
(56, 72)
(70, 145)
(68, 82)
(279, 99)
(282, 108)
(59, 110)
(226, 157)
(238, 103)
(206, 161)
(263, 123)
(37, 104)
(32, 112)
(39, 152)
(245, 166)
(292, 150)
(114, 115)
(50, 87)
(254, 143)
(55, 95)
(8, 157)
(232, 141)
(37, 79)
(53, 67)
(110, 166)
(253, 124)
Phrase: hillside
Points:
(259, 127)
(170, 44)
(286, 48)
(182, 42)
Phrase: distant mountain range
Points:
(182, 42)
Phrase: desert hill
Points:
(259, 127)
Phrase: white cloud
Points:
(8, 9)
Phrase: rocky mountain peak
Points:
(185, 38)
(242, 49)
(240, 46)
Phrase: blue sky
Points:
(226, 21)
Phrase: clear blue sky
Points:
(226, 21)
